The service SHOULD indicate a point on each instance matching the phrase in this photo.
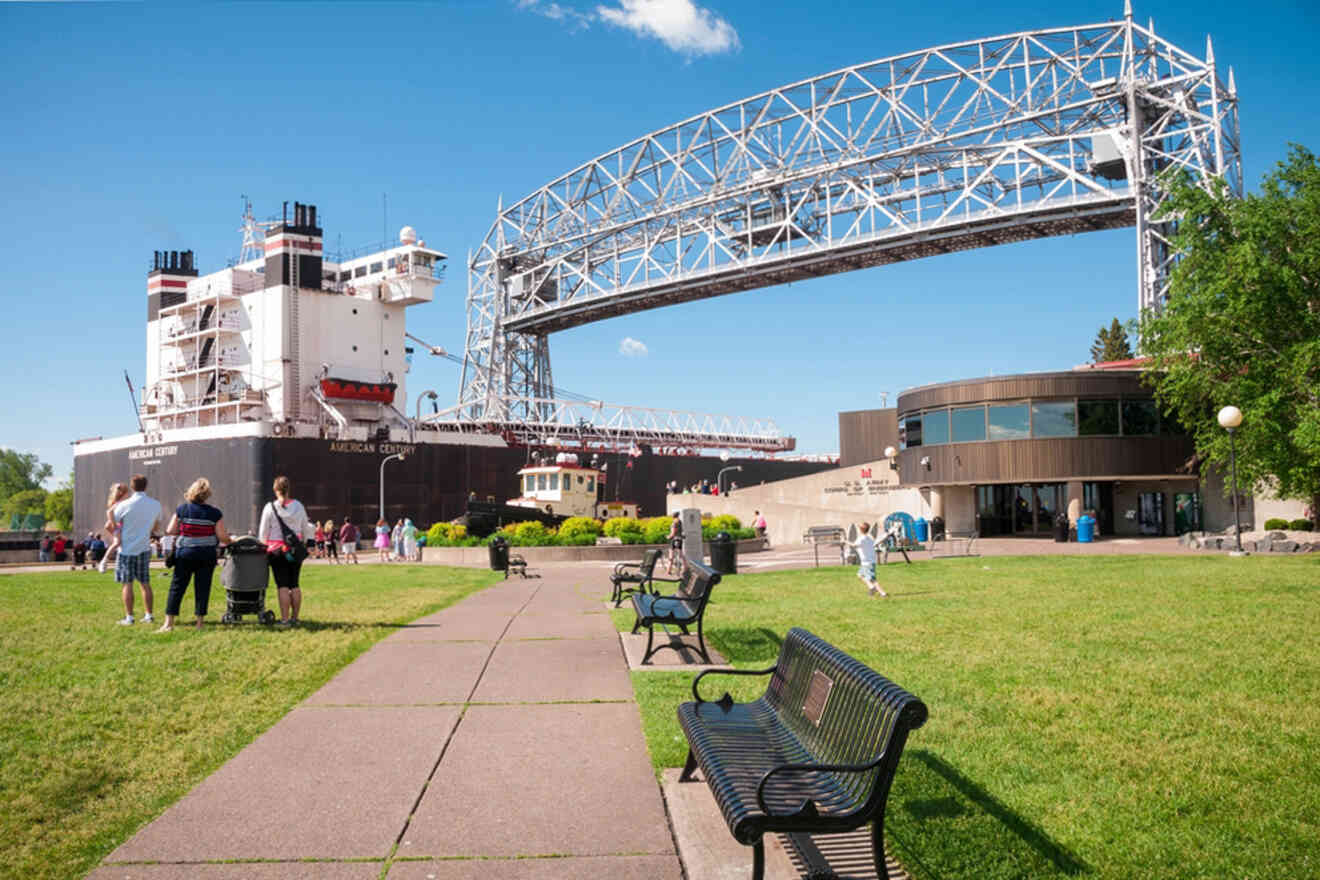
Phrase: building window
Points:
(1056, 419)
(911, 432)
(1097, 417)
(554, 482)
(359, 271)
(591, 485)
(1140, 417)
(376, 267)
(1009, 422)
(540, 482)
(390, 262)
(968, 424)
(935, 427)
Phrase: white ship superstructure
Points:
(308, 346)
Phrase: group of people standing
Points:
(399, 544)
(332, 542)
(198, 532)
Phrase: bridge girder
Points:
(966, 145)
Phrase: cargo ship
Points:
(294, 362)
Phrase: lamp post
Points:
(892, 454)
(1229, 418)
(400, 456)
(417, 416)
(719, 478)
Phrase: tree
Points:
(25, 502)
(20, 471)
(59, 504)
(1111, 344)
(1242, 325)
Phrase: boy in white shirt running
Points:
(865, 547)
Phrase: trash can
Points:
(1061, 528)
(499, 554)
(724, 553)
(937, 529)
(1085, 529)
(922, 529)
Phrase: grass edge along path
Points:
(1113, 717)
(103, 727)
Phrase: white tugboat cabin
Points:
(566, 488)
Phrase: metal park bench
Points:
(815, 755)
(827, 535)
(685, 607)
(518, 565)
(634, 577)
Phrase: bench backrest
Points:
(843, 712)
(647, 566)
(822, 534)
(696, 582)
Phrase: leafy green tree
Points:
(1242, 326)
(25, 502)
(1111, 344)
(20, 471)
(59, 507)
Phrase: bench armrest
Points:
(621, 567)
(808, 807)
(726, 701)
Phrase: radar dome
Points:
(407, 235)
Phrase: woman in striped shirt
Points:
(201, 530)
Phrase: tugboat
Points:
(551, 493)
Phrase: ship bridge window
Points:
(376, 267)
(540, 482)
(529, 484)
(554, 482)
(591, 484)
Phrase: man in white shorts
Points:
(348, 541)
(136, 518)
(865, 547)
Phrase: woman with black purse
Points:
(285, 529)
(201, 530)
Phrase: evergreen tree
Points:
(1111, 344)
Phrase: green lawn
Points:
(1107, 717)
(103, 726)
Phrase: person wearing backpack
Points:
(285, 530)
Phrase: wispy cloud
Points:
(557, 12)
(630, 347)
(681, 25)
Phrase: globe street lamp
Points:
(400, 456)
(1229, 418)
(892, 454)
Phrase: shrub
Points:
(725, 522)
(444, 534)
(623, 527)
(1301, 525)
(576, 527)
(1275, 523)
(655, 529)
(532, 534)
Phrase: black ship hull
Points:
(335, 478)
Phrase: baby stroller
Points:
(244, 576)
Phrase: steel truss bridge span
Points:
(1001, 139)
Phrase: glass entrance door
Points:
(1019, 509)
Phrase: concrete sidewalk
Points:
(498, 739)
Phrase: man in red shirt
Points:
(348, 541)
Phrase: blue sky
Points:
(130, 128)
